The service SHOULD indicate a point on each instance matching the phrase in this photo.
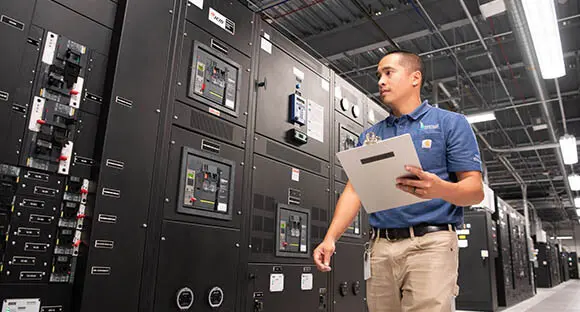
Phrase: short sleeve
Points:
(360, 139)
(462, 148)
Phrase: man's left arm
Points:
(463, 159)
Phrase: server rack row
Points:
(173, 155)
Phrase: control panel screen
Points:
(293, 232)
(214, 79)
(206, 186)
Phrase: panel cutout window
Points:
(206, 185)
(214, 79)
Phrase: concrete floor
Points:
(562, 298)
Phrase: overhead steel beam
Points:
(422, 33)
(407, 37)
(475, 74)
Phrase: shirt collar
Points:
(416, 114)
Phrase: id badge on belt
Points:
(367, 261)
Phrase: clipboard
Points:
(373, 171)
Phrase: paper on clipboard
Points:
(373, 170)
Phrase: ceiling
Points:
(351, 36)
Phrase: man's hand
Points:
(322, 255)
(427, 186)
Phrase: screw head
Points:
(166, 200)
(162, 238)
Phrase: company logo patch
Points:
(428, 127)
(426, 143)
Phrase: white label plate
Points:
(276, 282)
(462, 243)
(49, 48)
(197, 3)
(324, 84)
(298, 73)
(337, 92)
(463, 232)
(78, 87)
(36, 114)
(306, 281)
(315, 128)
(222, 207)
(265, 43)
(295, 174)
(222, 21)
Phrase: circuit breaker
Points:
(214, 78)
(206, 185)
(53, 116)
(293, 229)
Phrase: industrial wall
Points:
(170, 156)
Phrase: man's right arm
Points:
(346, 210)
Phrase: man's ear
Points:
(416, 78)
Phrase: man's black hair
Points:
(412, 61)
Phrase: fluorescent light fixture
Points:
(569, 149)
(540, 127)
(543, 24)
(564, 237)
(574, 181)
(577, 202)
(492, 8)
(481, 117)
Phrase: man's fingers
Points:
(327, 256)
(320, 260)
(411, 190)
(416, 171)
(412, 183)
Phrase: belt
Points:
(418, 230)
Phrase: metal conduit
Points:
(523, 38)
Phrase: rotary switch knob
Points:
(215, 297)
(185, 299)
(344, 104)
(356, 111)
(356, 288)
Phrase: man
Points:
(414, 253)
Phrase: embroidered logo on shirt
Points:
(428, 127)
(426, 143)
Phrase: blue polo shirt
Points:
(445, 144)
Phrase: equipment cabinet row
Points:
(170, 156)
(495, 268)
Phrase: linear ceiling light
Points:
(564, 237)
(543, 25)
(481, 117)
(574, 181)
(569, 149)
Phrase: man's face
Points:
(396, 82)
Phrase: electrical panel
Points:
(215, 79)
(287, 288)
(293, 226)
(358, 228)
(289, 214)
(49, 139)
(293, 96)
(477, 271)
(348, 284)
(206, 186)
(572, 262)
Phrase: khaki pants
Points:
(418, 274)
